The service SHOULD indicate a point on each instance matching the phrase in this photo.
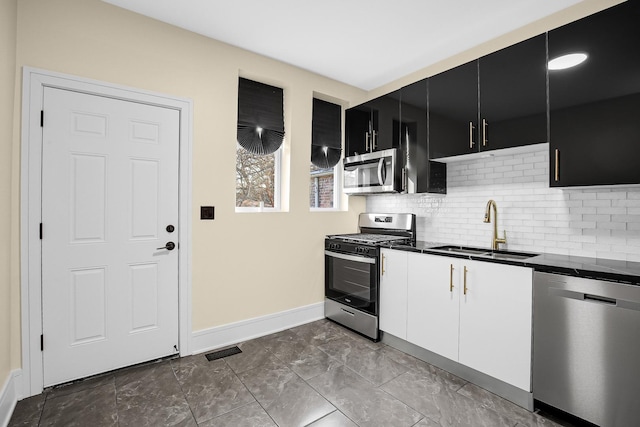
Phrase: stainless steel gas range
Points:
(352, 273)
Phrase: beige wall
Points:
(244, 265)
(7, 81)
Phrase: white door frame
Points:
(33, 84)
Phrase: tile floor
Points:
(316, 375)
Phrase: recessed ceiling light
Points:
(567, 61)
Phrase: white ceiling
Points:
(364, 43)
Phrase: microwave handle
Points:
(382, 171)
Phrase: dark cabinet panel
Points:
(513, 96)
(453, 111)
(386, 111)
(421, 175)
(357, 123)
(498, 101)
(369, 126)
(595, 106)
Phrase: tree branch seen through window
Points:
(255, 177)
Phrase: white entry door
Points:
(109, 209)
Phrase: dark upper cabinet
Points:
(595, 106)
(453, 111)
(358, 123)
(497, 101)
(369, 126)
(513, 96)
(421, 175)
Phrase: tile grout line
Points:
(250, 392)
(184, 395)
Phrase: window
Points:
(258, 152)
(326, 151)
(323, 188)
(257, 183)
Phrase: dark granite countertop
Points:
(591, 268)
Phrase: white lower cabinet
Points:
(473, 312)
(393, 292)
(434, 314)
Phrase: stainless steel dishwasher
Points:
(586, 348)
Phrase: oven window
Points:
(351, 278)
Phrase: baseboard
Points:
(233, 333)
(9, 395)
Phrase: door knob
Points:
(169, 246)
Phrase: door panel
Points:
(109, 189)
(88, 305)
(495, 321)
(144, 199)
(393, 293)
(144, 296)
(434, 299)
(88, 198)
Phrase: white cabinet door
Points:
(433, 293)
(495, 321)
(393, 292)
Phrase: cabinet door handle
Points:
(471, 128)
(373, 140)
(465, 280)
(484, 132)
(382, 265)
(451, 278)
(557, 169)
(366, 141)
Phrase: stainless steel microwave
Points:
(377, 172)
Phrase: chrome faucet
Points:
(495, 241)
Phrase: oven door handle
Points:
(355, 258)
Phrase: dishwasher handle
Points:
(598, 299)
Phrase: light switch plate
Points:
(207, 212)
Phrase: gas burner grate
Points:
(369, 238)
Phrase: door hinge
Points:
(41, 342)
(41, 118)
(40, 231)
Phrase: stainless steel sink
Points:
(463, 250)
(488, 253)
(510, 255)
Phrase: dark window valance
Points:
(326, 139)
(260, 117)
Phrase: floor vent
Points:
(223, 353)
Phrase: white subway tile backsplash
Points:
(601, 203)
(574, 194)
(593, 222)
